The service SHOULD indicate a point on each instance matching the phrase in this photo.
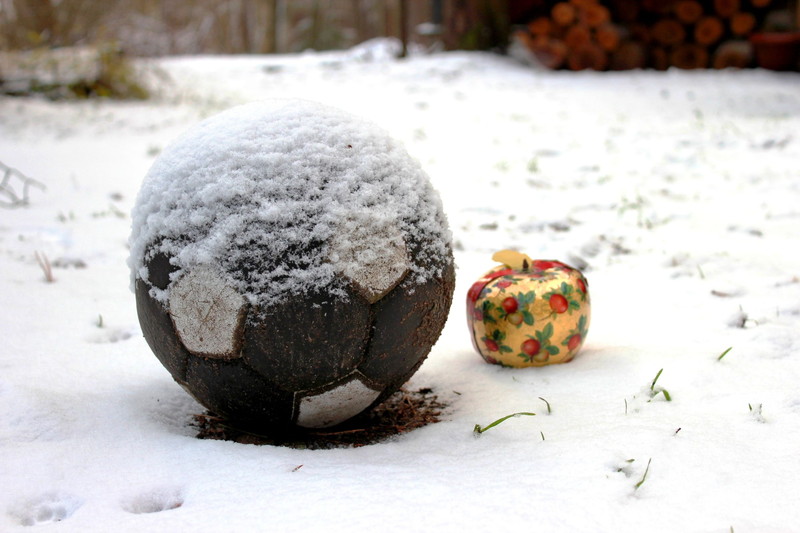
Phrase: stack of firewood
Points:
(628, 34)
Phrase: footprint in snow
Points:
(46, 508)
(154, 500)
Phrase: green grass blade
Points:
(549, 411)
(652, 385)
(478, 429)
(644, 477)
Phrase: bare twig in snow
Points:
(44, 263)
(9, 196)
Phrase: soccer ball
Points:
(292, 264)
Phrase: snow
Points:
(676, 192)
(261, 191)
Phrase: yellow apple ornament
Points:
(528, 312)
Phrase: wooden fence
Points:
(168, 27)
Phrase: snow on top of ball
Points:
(289, 196)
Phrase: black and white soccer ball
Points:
(292, 264)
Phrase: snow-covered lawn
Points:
(677, 193)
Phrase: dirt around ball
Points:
(292, 265)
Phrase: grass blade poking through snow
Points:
(755, 412)
(644, 477)
(479, 429)
(549, 411)
(655, 379)
(723, 354)
(655, 390)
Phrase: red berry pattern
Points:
(510, 305)
(575, 337)
(565, 299)
(494, 342)
(531, 347)
(574, 341)
(582, 286)
(558, 303)
(538, 347)
(512, 309)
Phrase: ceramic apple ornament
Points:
(528, 312)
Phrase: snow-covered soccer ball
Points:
(291, 263)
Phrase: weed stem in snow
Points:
(46, 267)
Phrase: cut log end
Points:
(689, 56)
(608, 36)
(660, 58)
(688, 11)
(726, 8)
(563, 14)
(668, 32)
(742, 23)
(708, 31)
(628, 56)
(589, 56)
(577, 36)
(595, 15)
(541, 26)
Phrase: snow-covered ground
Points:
(678, 193)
